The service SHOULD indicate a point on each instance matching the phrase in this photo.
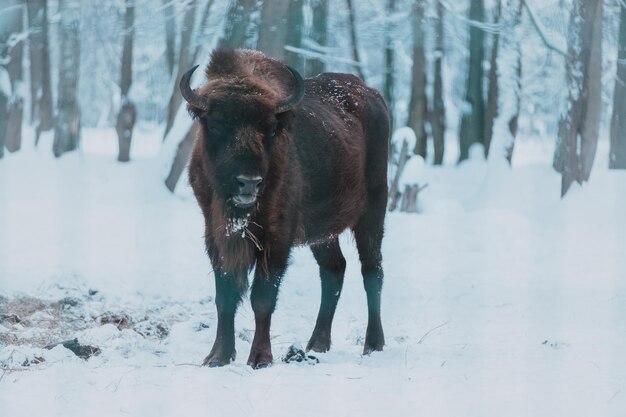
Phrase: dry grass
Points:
(37, 322)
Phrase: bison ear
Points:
(296, 97)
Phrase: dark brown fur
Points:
(324, 171)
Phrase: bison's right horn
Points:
(295, 98)
(190, 95)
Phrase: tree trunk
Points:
(508, 91)
(355, 46)
(472, 128)
(180, 160)
(169, 14)
(617, 156)
(12, 52)
(41, 112)
(418, 107)
(235, 36)
(4, 102)
(238, 21)
(491, 112)
(389, 62)
(67, 129)
(438, 114)
(295, 24)
(273, 28)
(127, 115)
(318, 35)
(184, 62)
(580, 125)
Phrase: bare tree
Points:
(12, 51)
(273, 28)
(67, 129)
(438, 114)
(355, 46)
(238, 22)
(617, 156)
(295, 29)
(389, 60)
(579, 126)
(318, 35)
(126, 117)
(472, 128)
(41, 112)
(186, 56)
(418, 107)
(170, 34)
(491, 111)
(184, 62)
(508, 63)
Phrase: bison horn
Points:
(189, 95)
(297, 96)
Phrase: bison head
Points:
(242, 111)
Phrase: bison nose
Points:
(248, 184)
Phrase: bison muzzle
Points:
(280, 161)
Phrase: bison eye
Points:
(214, 129)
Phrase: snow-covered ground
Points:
(499, 300)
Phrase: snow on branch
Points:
(492, 28)
(326, 58)
(539, 27)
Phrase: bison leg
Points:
(263, 299)
(228, 295)
(332, 268)
(368, 234)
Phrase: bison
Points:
(280, 161)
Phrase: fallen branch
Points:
(445, 323)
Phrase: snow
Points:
(5, 83)
(403, 134)
(499, 299)
(413, 173)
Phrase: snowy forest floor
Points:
(499, 298)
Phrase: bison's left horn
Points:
(189, 95)
(297, 96)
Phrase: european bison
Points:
(281, 161)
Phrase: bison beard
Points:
(279, 161)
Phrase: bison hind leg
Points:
(368, 234)
(332, 266)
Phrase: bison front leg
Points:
(263, 298)
(332, 268)
(228, 294)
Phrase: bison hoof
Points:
(259, 360)
(319, 344)
(215, 360)
(373, 345)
